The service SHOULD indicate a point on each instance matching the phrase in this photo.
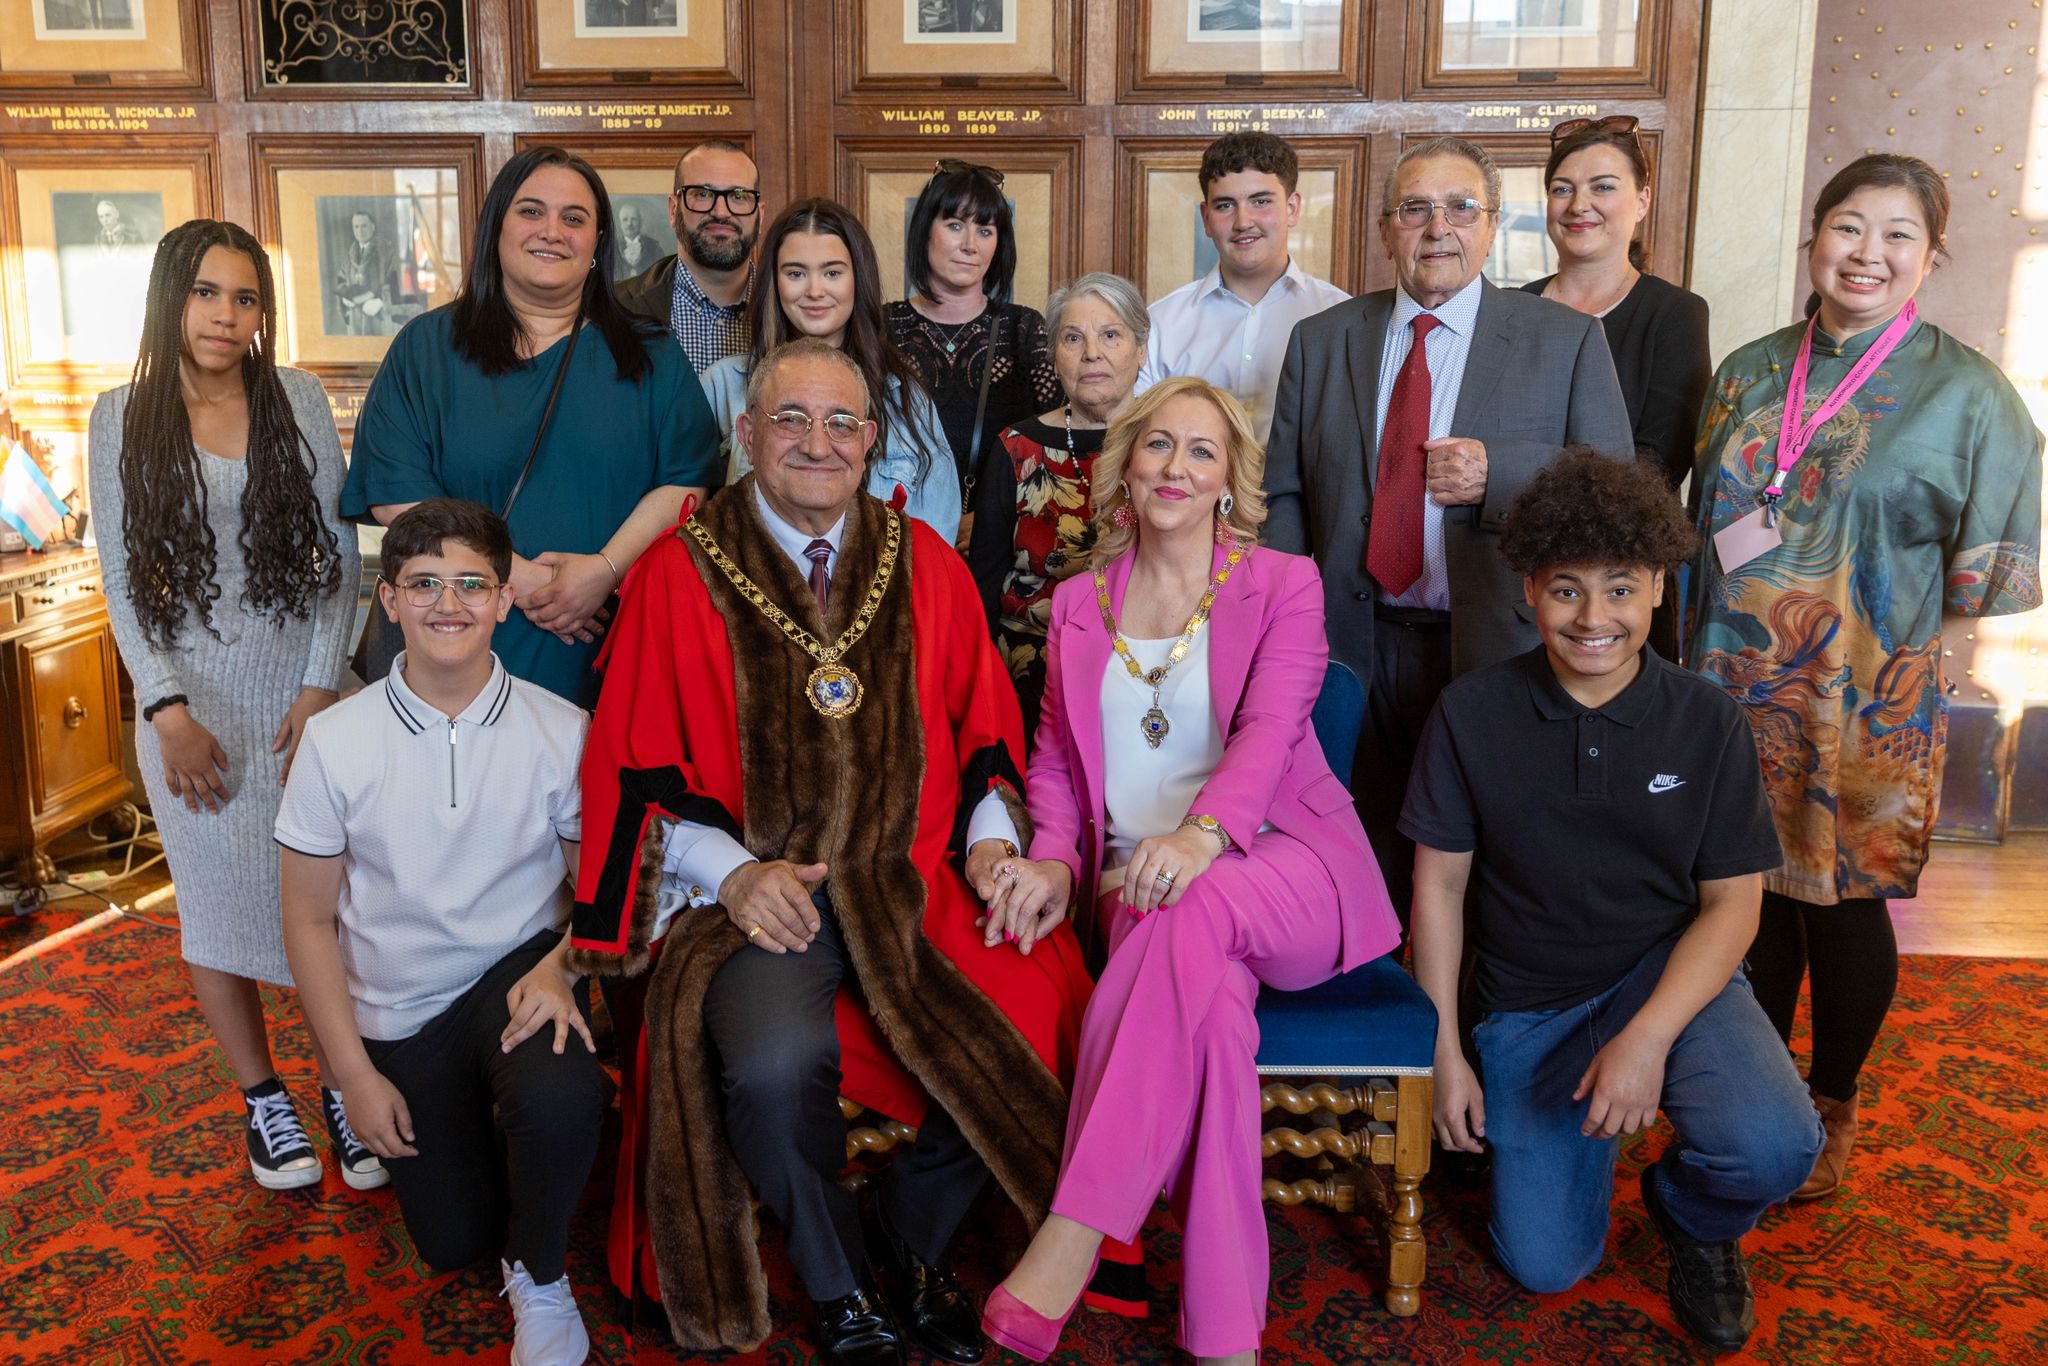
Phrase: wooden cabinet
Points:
(60, 706)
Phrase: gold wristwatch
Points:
(1213, 826)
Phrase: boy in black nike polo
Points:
(1606, 808)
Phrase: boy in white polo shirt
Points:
(428, 830)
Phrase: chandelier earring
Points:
(1125, 515)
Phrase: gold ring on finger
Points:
(753, 932)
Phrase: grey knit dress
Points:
(225, 866)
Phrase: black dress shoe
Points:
(926, 1298)
(1709, 1281)
(855, 1330)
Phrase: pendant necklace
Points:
(1153, 725)
(832, 688)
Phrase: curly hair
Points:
(292, 556)
(1588, 509)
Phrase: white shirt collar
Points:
(484, 709)
(792, 540)
(1293, 278)
(1460, 312)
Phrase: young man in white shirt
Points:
(429, 828)
(1231, 326)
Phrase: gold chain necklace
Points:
(1153, 725)
(833, 689)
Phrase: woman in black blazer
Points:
(1598, 183)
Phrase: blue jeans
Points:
(1747, 1131)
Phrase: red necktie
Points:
(1393, 552)
(817, 552)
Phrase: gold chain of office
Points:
(833, 689)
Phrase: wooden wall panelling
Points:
(874, 63)
(1151, 70)
(22, 73)
(650, 72)
(288, 223)
(1643, 75)
(313, 33)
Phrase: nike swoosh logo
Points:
(1663, 784)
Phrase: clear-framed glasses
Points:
(424, 590)
(1459, 213)
(701, 199)
(841, 429)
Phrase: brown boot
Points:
(1838, 1118)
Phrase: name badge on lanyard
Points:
(1742, 541)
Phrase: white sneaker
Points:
(547, 1328)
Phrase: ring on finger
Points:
(1166, 879)
(754, 932)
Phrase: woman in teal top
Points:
(1919, 495)
(454, 409)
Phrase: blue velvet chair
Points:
(1347, 1070)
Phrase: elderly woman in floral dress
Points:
(1098, 327)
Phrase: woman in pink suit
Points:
(1178, 787)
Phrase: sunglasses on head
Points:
(1613, 123)
(955, 166)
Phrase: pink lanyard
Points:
(1795, 436)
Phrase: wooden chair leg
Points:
(1407, 1254)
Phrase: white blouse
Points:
(1149, 791)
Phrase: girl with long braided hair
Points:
(231, 579)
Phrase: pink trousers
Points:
(1164, 1095)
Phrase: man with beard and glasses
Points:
(701, 294)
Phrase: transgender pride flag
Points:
(27, 502)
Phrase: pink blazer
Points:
(1267, 655)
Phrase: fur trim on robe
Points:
(817, 789)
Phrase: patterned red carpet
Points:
(131, 1233)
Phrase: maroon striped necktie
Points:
(1393, 553)
(817, 552)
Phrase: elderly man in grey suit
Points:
(1395, 464)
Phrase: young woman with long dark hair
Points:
(455, 409)
(230, 577)
(828, 285)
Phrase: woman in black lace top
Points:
(958, 270)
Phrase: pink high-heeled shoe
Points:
(1011, 1323)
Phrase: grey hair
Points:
(1444, 145)
(806, 348)
(1120, 294)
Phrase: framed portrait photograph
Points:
(959, 21)
(1165, 244)
(359, 250)
(1290, 46)
(897, 46)
(1039, 181)
(1239, 21)
(88, 223)
(1487, 44)
(609, 43)
(632, 18)
(89, 20)
(63, 44)
(311, 48)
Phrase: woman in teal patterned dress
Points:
(1919, 495)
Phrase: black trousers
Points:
(1850, 955)
(1411, 665)
(505, 1140)
(771, 1018)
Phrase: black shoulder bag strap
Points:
(382, 640)
(988, 371)
(546, 415)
